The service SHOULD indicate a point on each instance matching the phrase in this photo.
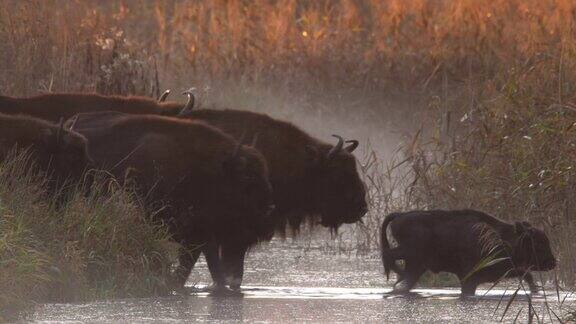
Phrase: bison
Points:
(311, 180)
(214, 191)
(60, 153)
(53, 107)
(474, 246)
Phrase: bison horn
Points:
(164, 96)
(353, 145)
(70, 123)
(337, 148)
(190, 104)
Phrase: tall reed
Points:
(98, 245)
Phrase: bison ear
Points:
(48, 136)
(313, 153)
(526, 224)
(57, 137)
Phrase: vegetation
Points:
(481, 92)
(95, 246)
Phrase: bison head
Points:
(338, 193)
(58, 152)
(62, 152)
(532, 248)
(243, 191)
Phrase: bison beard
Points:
(60, 153)
(53, 107)
(215, 192)
(312, 181)
(456, 242)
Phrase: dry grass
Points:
(327, 51)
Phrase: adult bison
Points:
(457, 242)
(214, 190)
(55, 106)
(311, 180)
(60, 153)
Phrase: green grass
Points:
(100, 245)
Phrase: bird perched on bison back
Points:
(476, 247)
(60, 153)
(55, 106)
(311, 180)
(215, 191)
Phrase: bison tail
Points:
(387, 259)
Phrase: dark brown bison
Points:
(62, 154)
(213, 190)
(311, 180)
(55, 106)
(457, 242)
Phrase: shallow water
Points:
(289, 281)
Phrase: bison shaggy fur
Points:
(311, 181)
(60, 153)
(476, 247)
(214, 192)
(55, 106)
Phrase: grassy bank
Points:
(99, 246)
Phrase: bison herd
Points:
(229, 179)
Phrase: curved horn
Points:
(71, 122)
(164, 96)
(337, 148)
(190, 104)
(353, 145)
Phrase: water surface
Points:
(295, 281)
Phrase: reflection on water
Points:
(281, 304)
(285, 284)
(386, 293)
(227, 309)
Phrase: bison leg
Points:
(212, 253)
(412, 272)
(395, 254)
(531, 283)
(187, 259)
(233, 264)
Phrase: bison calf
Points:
(457, 242)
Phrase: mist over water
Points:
(380, 124)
